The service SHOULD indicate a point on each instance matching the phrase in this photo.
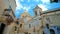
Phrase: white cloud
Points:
(26, 8)
(45, 1)
(20, 6)
(43, 7)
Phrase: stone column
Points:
(41, 26)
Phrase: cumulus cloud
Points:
(20, 6)
(43, 7)
(26, 8)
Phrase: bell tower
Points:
(37, 11)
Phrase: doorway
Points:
(2, 26)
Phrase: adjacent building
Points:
(7, 8)
(7, 4)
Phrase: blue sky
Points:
(30, 4)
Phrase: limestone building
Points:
(31, 23)
(24, 21)
(7, 8)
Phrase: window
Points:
(20, 25)
(40, 13)
(2, 26)
(36, 13)
(29, 25)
